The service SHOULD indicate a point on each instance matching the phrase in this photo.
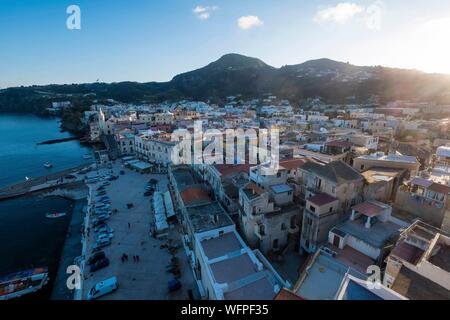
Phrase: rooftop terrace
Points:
(237, 272)
(376, 236)
(208, 217)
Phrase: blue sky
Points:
(153, 40)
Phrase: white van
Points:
(102, 288)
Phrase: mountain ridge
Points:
(232, 74)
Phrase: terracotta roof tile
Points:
(285, 294)
(368, 209)
(322, 199)
(195, 194)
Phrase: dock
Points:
(48, 182)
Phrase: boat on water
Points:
(87, 156)
(48, 165)
(21, 283)
(55, 215)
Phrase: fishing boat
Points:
(55, 215)
(48, 165)
(21, 283)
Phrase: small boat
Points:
(21, 283)
(55, 215)
(48, 165)
(27, 178)
(87, 156)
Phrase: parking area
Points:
(145, 279)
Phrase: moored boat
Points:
(21, 283)
(55, 215)
(48, 165)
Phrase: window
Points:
(283, 227)
(275, 244)
(262, 229)
(312, 208)
(293, 222)
(362, 167)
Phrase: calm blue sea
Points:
(20, 157)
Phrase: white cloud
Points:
(248, 22)
(204, 13)
(341, 13)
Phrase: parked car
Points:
(96, 257)
(100, 264)
(174, 285)
(100, 218)
(103, 211)
(103, 206)
(70, 177)
(97, 223)
(101, 225)
(102, 243)
(102, 288)
(104, 236)
(104, 229)
(148, 193)
(103, 214)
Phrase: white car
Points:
(102, 288)
(105, 236)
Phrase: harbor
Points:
(63, 179)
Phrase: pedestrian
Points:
(137, 258)
(134, 258)
(129, 225)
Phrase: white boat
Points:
(55, 215)
(48, 165)
(21, 283)
(87, 156)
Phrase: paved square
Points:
(146, 279)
